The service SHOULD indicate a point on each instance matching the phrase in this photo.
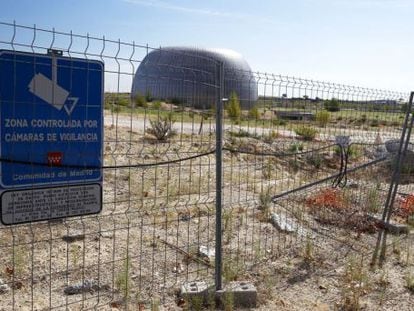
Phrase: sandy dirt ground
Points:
(157, 227)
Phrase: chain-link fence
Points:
(209, 169)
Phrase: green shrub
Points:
(254, 113)
(373, 200)
(108, 105)
(295, 147)
(354, 151)
(243, 133)
(315, 159)
(233, 107)
(140, 101)
(375, 123)
(122, 101)
(279, 122)
(123, 279)
(363, 118)
(265, 200)
(332, 105)
(323, 117)
(409, 282)
(156, 104)
(306, 133)
(270, 137)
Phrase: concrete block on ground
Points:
(196, 294)
(196, 288)
(282, 223)
(242, 294)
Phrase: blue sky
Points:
(359, 42)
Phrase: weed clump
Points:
(322, 118)
(355, 284)
(306, 133)
(409, 282)
(162, 128)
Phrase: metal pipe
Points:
(219, 174)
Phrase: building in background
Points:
(191, 77)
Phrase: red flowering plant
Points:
(405, 206)
(328, 197)
(331, 206)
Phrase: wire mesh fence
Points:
(208, 169)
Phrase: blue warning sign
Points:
(51, 112)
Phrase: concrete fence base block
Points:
(238, 294)
(197, 293)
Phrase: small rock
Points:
(392, 145)
(178, 268)
(17, 285)
(87, 286)
(181, 302)
(353, 185)
(380, 152)
(185, 217)
(289, 225)
(117, 304)
(209, 253)
(4, 288)
(282, 223)
(107, 234)
(73, 238)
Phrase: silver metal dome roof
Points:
(191, 76)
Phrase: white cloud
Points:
(367, 3)
(202, 11)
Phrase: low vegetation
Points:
(322, 118)
(162, 128)
(332, 105)
(233, 108)
(306, 133)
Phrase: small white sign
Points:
(20, 206)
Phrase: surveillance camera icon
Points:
(52, 93)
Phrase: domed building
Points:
(191, 77)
